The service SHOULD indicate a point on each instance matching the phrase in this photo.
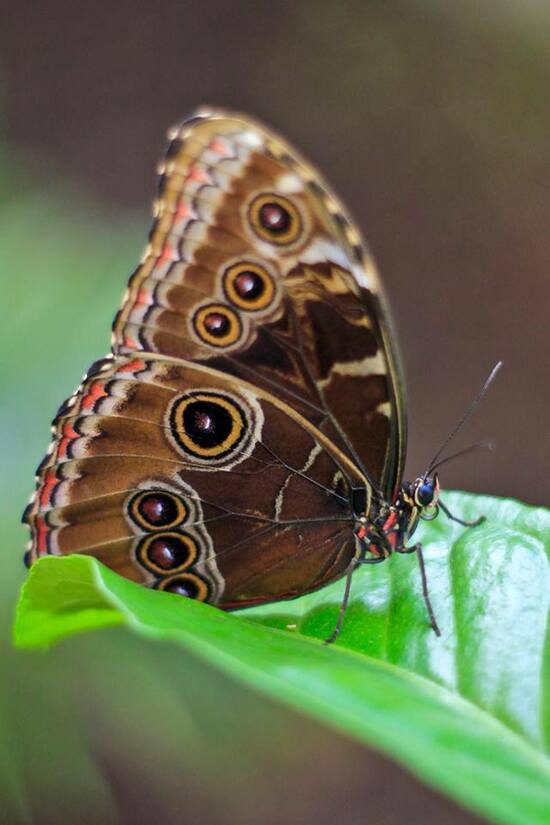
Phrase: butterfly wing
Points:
(176, 476)
(253, 385)
(253, 268)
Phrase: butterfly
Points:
(244, 440)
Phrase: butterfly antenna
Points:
(488, 381)
(480, 445)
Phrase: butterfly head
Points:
(422, 495)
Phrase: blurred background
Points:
(431, 120)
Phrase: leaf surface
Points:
(468, 713)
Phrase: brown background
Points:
(431, 119)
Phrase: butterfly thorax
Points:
(391, 526)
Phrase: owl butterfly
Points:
(244, 441)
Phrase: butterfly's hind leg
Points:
(473, 523)
(417, 548)
(353, 565)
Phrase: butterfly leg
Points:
(417, 548)
(354, 563)
(450, 516)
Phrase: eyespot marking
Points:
(157, 509)
(168, 552)
(248, 286)
(186, 584)
(275, 219)
(217, 325)
(207, 425)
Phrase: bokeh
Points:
(431, 119)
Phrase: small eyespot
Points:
(248, 286)
(157, 509)
(275, 219)
(207, 425)
(186, 584)
(167, 552)
(217, 325)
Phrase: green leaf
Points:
(469, 713)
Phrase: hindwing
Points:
(178, 477)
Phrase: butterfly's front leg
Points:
(449, 515)
(417, 548)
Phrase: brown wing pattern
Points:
(254, 269)
(177, 477)
(253, 385)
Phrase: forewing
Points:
(253, 268)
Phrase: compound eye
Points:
(425, 493)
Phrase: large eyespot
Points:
(248, 286)
(186, 584)
(217, 325)
(167, 552)
(275, 219)
(157, 509)
(207, 425)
